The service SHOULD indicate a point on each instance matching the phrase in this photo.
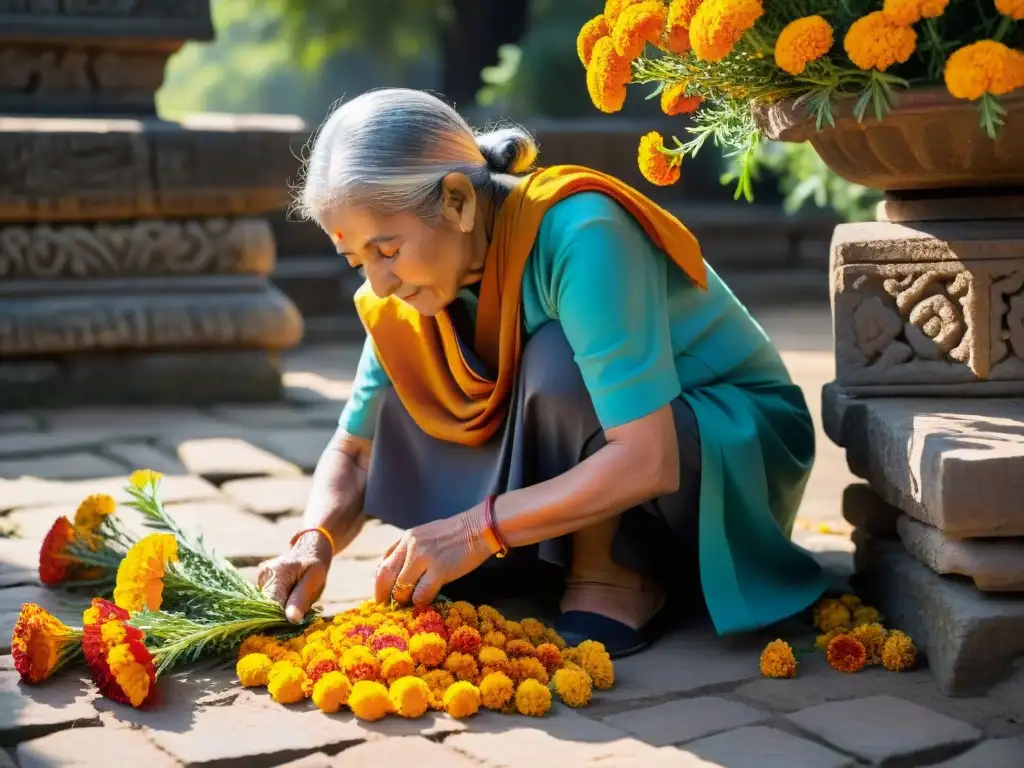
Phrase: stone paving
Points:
(241, 473)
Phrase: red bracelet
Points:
(493, 528)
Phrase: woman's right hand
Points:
(296, 578)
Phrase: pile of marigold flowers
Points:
(379, 660)
(852, 638)
(716, 58)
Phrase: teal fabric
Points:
(642, 334)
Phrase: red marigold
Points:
(465, 640)
(429, 621)
(363, 670)
(516, 648)
(321, 668)
(847, 654)
(130, 678)
(55, 565)
(549, 655)
(41, 644)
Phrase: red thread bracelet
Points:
(489, 519)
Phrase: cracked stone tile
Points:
(79, 465)
(29, 712)
(763, 747)
(92, 748)
(270, 496)
(680, 721)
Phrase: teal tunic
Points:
(642, 334)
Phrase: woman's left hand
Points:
(427, 557)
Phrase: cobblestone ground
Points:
(240, 474)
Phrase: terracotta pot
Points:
(928, 141)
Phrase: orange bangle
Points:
(324, 531)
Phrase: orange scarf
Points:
(443, 394)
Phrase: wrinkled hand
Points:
(295, 579)
(418, 565)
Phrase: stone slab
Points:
(70, 466)
(57, 169)
(763, 747)
(270, 496)
(866, 510)
(29, 712)
(222, 459)
(372, 541)
(74, 19)
(17, 422)
(677, 722)
(92, 748)
(66, 607)
(911, 208)
(955, 464)
(995, 565)
(970, 638)
(302, 447)
(408, 751)
(995, 753)
(885, 730)
(139, 455)
(19, 562)
(29, 493)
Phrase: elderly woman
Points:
(551, 369)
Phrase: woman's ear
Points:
(458, 201)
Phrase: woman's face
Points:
(423, 264)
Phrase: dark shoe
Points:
(618, 639)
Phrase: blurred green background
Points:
(493, 59)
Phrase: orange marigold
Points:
(674, 100)
(428, 648)
(526, 668)
(801, 42)
(607, 76)
(637, 25)
(677, 25)
(55, 565)
(462, 665)
(465, 640)
(590, 33)
(847, 654)
(612, 9)
(496, 690)
(874, 42)
(1012, 8)
(41, 644)
(899, 652)
(90, 516)
(654, 164)
(719, 24)
(777, 660)
(907, 12)
(549, 656)
(984, 67)
(519, 647)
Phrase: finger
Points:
(394, 545)
(305, 593)
(427, 589)
(387, 573)
(280, 580)
(412, 570)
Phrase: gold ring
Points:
(403, 587)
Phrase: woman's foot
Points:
(615, 593)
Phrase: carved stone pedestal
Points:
(134, 252)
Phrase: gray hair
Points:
(389, 149)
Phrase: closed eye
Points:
(389, 256)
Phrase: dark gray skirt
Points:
(551, 426)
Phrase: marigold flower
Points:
(465, 640)
(462, 699)
(718, 25)
(865, 615)
(381, 640)
(429, 622)
(310, 650)
(428, 649)
(801, 42)
(253, 644)
(613, 8)
(655, 166)
(821, 641)
(847, 654)
(549, 656)
(141, 478)
(637, 25)
(874, 42)
(41, 644)
(140, 584)
(777, 660)
(674, 100)
(573, 687)
(462, 665)
(872, 637)
(496, 690)
(253, 670)
(410, 696)
(592, 31)
(467, 611)
(331, 692)
(851, 602)
(369, 700)
(831, 616)
(90, 515)
(551, 636)
(984, 67)
(360, 664)
(398, 664)
(519, 647)
(899, 652)
(491, 614)
(288, 683)
(439, 681)
(493, 639)
(533, 698)
(596, 662)
(55, 565)
(907, 12)
(1012, 8)
(514, 631)
(132, 677)
(526, 667)
(607, 76)
(677, 25)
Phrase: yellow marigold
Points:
(607, 76)
(984, 67)
(865, 615)
(822, 641)
(467, 612)
(520, 647)
(462, 665)
(287, 683)
(907, 12)
(397, 665)
(674, 100)
(847, 654)
(777, 660)
(899, 652)
(439, 681)
(318, 635)
(573, 687)
(590, 33)
(462, 699)
(369, 700)
(718, 25)
(596, 662)
(526, 668)
(493, 615)
(801, 42)
(612, 9)
(310, 650)
(359, 663)
(496, 690)
(874, 42)
(654, 164)
(554, 638)
(253, 644)
(133, 677)
(490, 655)
(549, 656)
(92, 512)
(428, 648)
(253, 670)
(140, 575)
(410, 696)
(494, 639)
(514, 631)
(141, 478)
(1012, 8)
(872, 637)
(295, 644)
(331, 692)
(832, 616)
(533, 698)
(677, 25)
(851, 602)
(637, 25)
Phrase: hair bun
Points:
(508, 150)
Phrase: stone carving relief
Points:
(210, 246)
(51, 71)
(178, 9)
(1007, 310)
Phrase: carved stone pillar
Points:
(134, 256)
